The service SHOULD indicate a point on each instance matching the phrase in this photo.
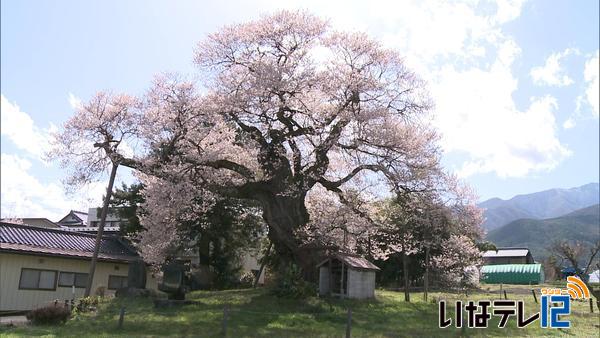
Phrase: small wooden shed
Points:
(347, 276)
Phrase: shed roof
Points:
(506, 252)
(353, 261)
(45, 241)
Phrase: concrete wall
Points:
(361, 284)
(13, 299)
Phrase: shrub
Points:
(289, 282)
(247, 279)
(100, 291)
(50, 314)
(87, 304)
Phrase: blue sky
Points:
(515, 82)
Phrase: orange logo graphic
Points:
(576, 288)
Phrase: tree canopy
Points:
(289, 114)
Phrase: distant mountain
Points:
(539, 205)
(537, 235)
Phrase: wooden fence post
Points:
(505, 295)
(121, 317)
(349, 324)
(534, 296)
(464, 321)
(224, 323)
(591, 305)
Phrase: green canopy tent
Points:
(512, 274)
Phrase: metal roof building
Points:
(508, 256)
(512, 274)
(39, 265)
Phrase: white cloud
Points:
(20, 128)
(74, 101)
(23, 195)
(552, 73)
(478, 117)
(423, 31)
(569, 123)
(461, 50)
(590, 96)
(591, 76)
(508, 10)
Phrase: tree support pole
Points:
(262, 265)
(111, 181)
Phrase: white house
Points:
(90, 221)
(74, 219)
(594, 277)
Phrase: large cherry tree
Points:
(286, 106)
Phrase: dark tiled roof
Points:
(24, 238)
(81, 216)
(354, 261)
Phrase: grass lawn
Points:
(255, 313)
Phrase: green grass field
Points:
(255, 313)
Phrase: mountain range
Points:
(582, 225)
(540, 205)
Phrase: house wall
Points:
(323, 280)
(250, 262)
(361, 284)
(13, 299)
(112, 218)
(529, 259)
(506, 260)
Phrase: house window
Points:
(117, 282)
(73, 278)
(34, 279)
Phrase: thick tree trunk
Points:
(285, 215)
(204, 276)
(103, 214)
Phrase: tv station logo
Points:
(555, 304)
